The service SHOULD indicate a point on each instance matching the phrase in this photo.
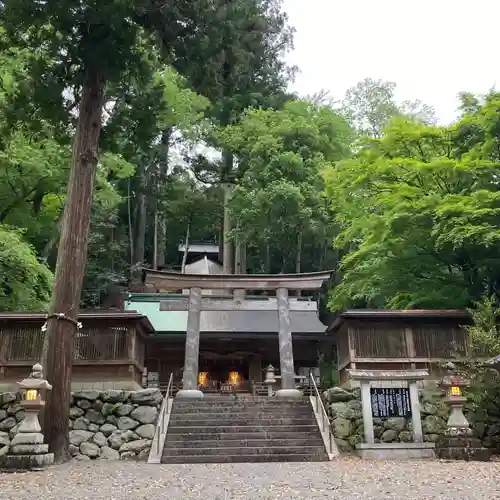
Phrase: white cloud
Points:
(432, 49)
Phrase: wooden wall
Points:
(107, 353)
(399, 343)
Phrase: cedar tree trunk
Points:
(70, 267)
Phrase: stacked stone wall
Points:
(345, 413)
(111, 424)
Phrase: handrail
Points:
(325, 421)
(162, 423)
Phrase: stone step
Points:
(217, 435)
(187, 408)
(244, 395)
(248, 451)
(263, 406)
(213, 399)
(245, 443)
(184, 421)
(210, 429)
(236, 414)
(196, 459)
(227, 430)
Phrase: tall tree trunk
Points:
(140, 222)
(238, 246)
(298, 255)
(47, 249)
(161, 240)
(228, 254)
(155, 240)
(186, 248)
(237, 258)
(161, 228)
(243, 257)
(129, 215)
(268, 257)
(70, 267)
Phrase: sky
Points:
(432, 49)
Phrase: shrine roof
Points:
(373, 315)
(173, 280)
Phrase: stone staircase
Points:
(218, 430)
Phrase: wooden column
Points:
(131, 340)
(4, 345)
(352, 350)
(410, 344)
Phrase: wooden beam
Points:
(80, 362)
(401, 360)
(368, 374)
(172, 280)
(209, 304)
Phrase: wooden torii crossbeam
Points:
(175, 280)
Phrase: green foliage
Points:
(418, 213)
(33, 172)
(484, 333)
(152, 114)
(25, 282)
(370, 106)
(280, 156)
(235, 58)
(328, 372)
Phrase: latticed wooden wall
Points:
(436, 341)
(379, 341)
(385, 340)
(25, 343)
(22, 343)
(102, 343)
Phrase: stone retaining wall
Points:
(109, 424)
(344, 409)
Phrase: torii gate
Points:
(238, 283)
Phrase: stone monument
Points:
(458, 441)
(389, 402)
(27, 451)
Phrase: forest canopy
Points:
(201, 141)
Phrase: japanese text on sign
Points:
(390, 402)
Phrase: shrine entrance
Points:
(228, 316)
(222, 375)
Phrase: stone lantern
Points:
(458, 441)
(270, 380)
(27, 451)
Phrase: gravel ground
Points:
(345, 479)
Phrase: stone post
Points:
(416, 422)
(286, 348)
(190, 377)
(366, 404)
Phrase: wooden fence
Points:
(108, 344)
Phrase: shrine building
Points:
(216, 332)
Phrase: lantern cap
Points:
(454, 381)
(35, 380)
